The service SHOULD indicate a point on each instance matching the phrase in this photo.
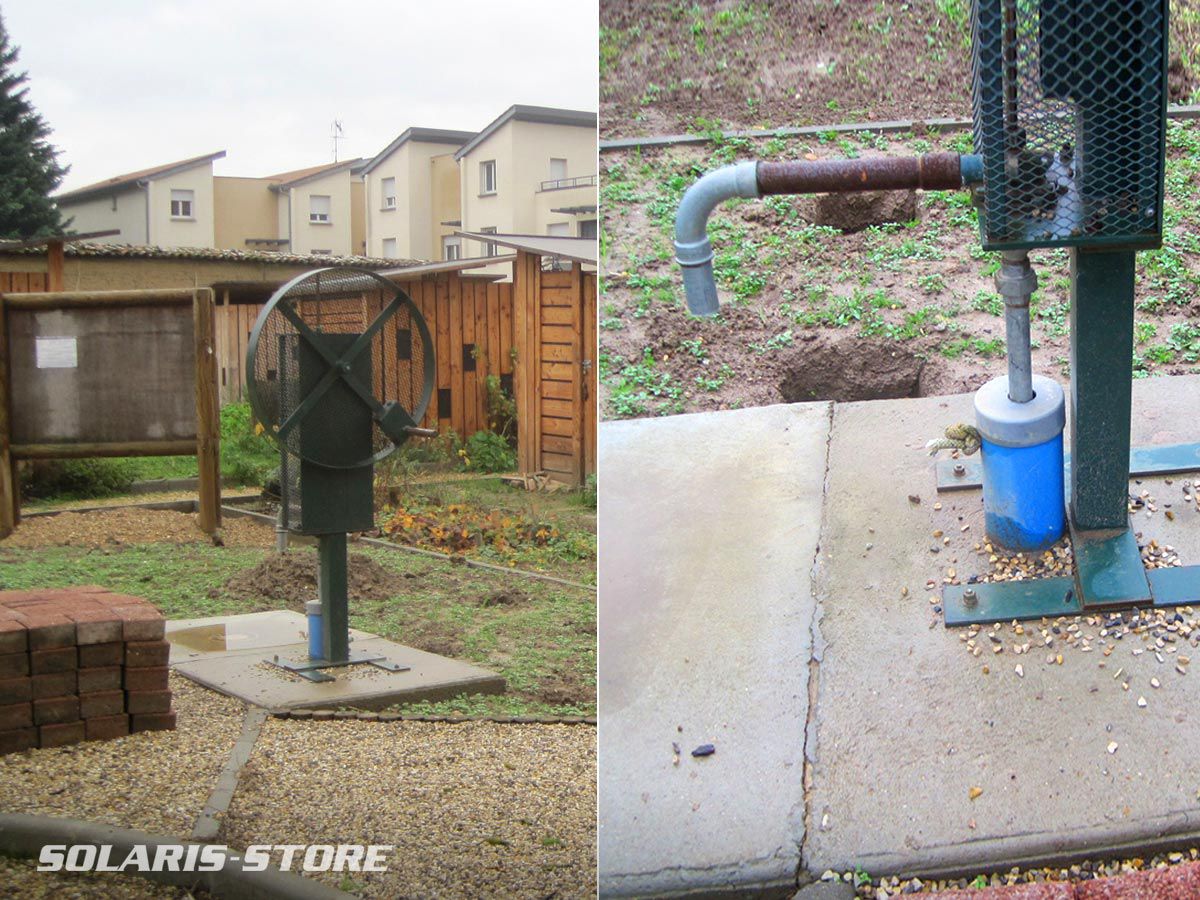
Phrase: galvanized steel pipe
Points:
(1016, 282)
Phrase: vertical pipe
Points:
(1016, 283)
(1101, 386)
(1020, 365)
(335, 604)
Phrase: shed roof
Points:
(581, 250)
(130, 180)
(448, 265)
(545, 115)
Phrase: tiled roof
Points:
(288, 178)
(142, 251)
(130, 179)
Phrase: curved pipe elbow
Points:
(693, 251)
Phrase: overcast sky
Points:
(129, 84)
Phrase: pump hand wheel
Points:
(338, 395)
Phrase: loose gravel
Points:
(1088, 870)
(154, 781)
(473, 810)
(20, 878)
(131, 525)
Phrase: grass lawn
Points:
(539, 635)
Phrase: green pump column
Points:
(1101, 386)
(335, 603)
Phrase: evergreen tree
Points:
(29, 167)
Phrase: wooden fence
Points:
(470, 321)
(555, 336)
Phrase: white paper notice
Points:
(56, 353)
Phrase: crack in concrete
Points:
(816, 649)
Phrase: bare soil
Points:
(669, 66)
(291, 578)
(811, 313)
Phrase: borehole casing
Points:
(1023, 502)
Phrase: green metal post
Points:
(335, 604)
(1101, 386)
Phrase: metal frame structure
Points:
(335, 474)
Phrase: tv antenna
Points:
(336, 134)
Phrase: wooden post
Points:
(208, 411)
(10, 497)
(55, 265)
(524, 363)
(590, 352)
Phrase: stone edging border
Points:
(898, 125)
(328, 715)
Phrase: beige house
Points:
(531, 171)
(167, 206)
(412, 193)
(316, 209)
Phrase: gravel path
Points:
(154, 781)
(20, 878)
(473, 810)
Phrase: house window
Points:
(389, 248)
(558, 169)
(587, 228)
(404, 344)
(318, 208)
(451, 247)
(182, 204)
(487, 177)
(389, 193)
(559, 229)
(489, 249)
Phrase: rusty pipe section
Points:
(693, 252)
(931, 172)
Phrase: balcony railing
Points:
(561, 184)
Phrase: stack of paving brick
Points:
(80, 664)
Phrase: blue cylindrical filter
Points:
(316, 647)
(1023, 503)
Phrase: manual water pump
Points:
(337, 397)
(1069, 109)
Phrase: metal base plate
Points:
(1053, 597)
(1108, 568)
(310, 668)
(1167, 459)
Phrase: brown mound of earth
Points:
(292, 578)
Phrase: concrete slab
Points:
(227, 653)
(709, 526)
(221, 635)
(906, 723)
